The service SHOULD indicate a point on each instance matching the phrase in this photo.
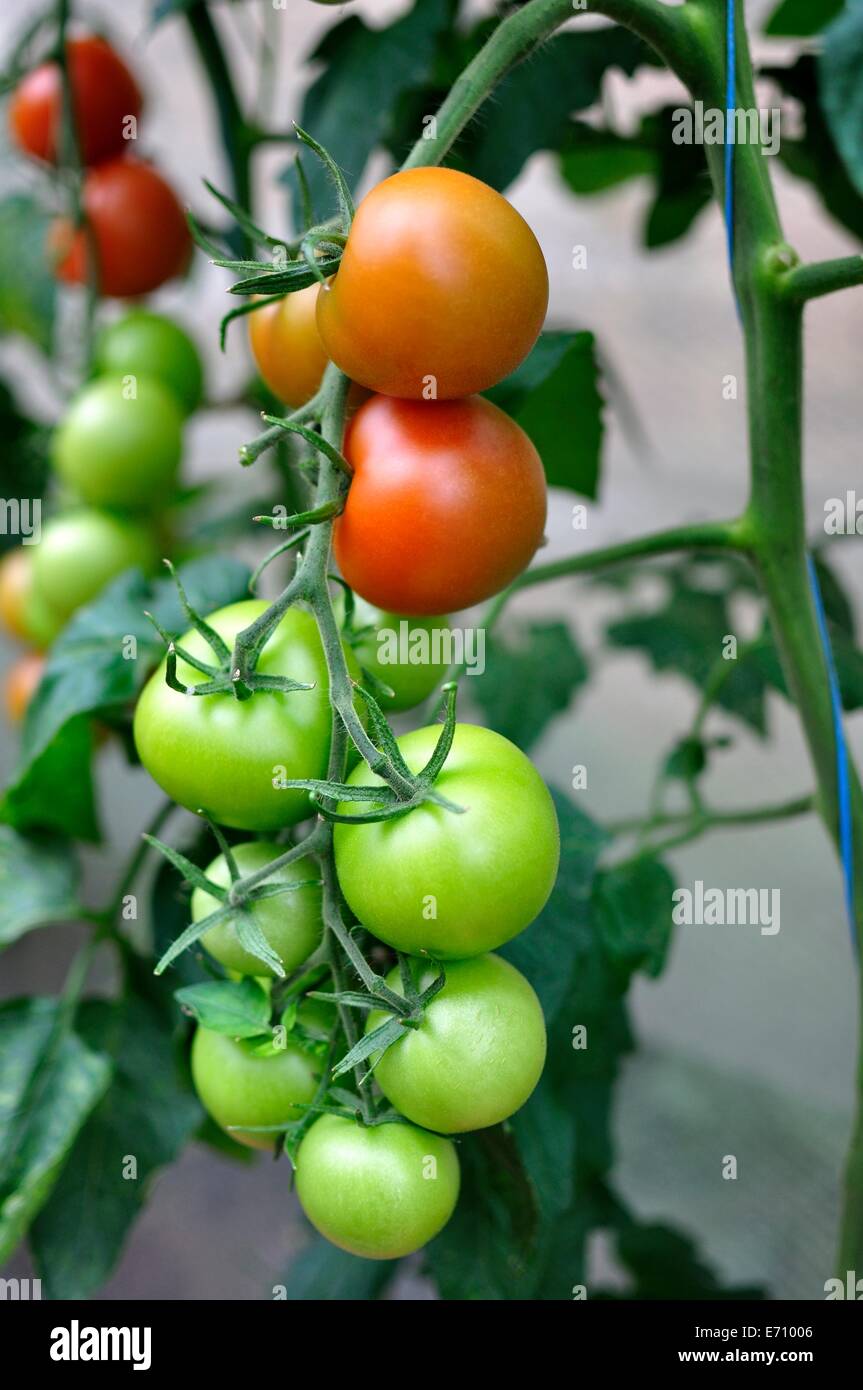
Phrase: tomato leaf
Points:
(142, 1122)
(801, 18)
(592, 160)
(528, 680)
(27, 287)
(323, 1273)
(38, 883)
(378, 1040)
(554, 396)
(238, 1008)
(632, 911)
(49, 1083)
(841, 88)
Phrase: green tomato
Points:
(41, 624)
(77, 556)
(148, 344)
(117, 450)
(291, 921)
(381, 1191)
(406, 654)
(451, 885)
(230, 757)
(238, 1087)
(477, 1054)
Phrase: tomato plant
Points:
(291, 923)
(119, 445)
(151, 345)
(138, 228)
(294, 955)
(454, 883)
(457, 488)
(477, 1054)
(104, 92)
(441, 291)
(240, 1086)
(380, 1192)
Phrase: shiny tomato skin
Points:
(148, 344)
(446, 507)
(287, 347)
(82, 551)
(139, 228)
(15, 581)
(235, 1086)
(221, 755)
(291, 922)
(380, 1191)
(21, 684)
(104, 94)
(447, 884)
(477, 1054)
(442, 288)
(118, 449)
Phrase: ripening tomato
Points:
(138, 226)
(380, 1191)
(477, 1054)
(238, 1084)
(22, 682)
(119, 443)
(104, 96)
(291, 921)
(441, 290)
(453, 884)
(15, 578)
(287, 347)
(151, 345)
(80, 552)
(230, 757)
(446, 506)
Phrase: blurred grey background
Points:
(747, 1044)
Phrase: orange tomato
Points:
(138, 226)
(441, 291)
(104, 94)
(21, 683)
(15, 590)
(287, 347)
(446, 506)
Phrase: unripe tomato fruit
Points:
(238, 1087)
(15, 580)
(441, 290)
(138, 226)
(222, 755)
(148, 344)
(382, 1191)
(453, 885)
(80, 552)
(477, 1054)
(291, 921)
(409, 655)
(22, 682)
(119, 450)
(104, 94)
(446, 506)
(287, 347)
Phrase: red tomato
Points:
(441, 291)
(139, 227)
(446, 506)
(104, 94)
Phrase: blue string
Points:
(843, 781)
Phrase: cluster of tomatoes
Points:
(117, 449)
(135, 237)
(441, 291)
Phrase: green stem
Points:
(823, 277)
(235, 133)
(709, 819)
